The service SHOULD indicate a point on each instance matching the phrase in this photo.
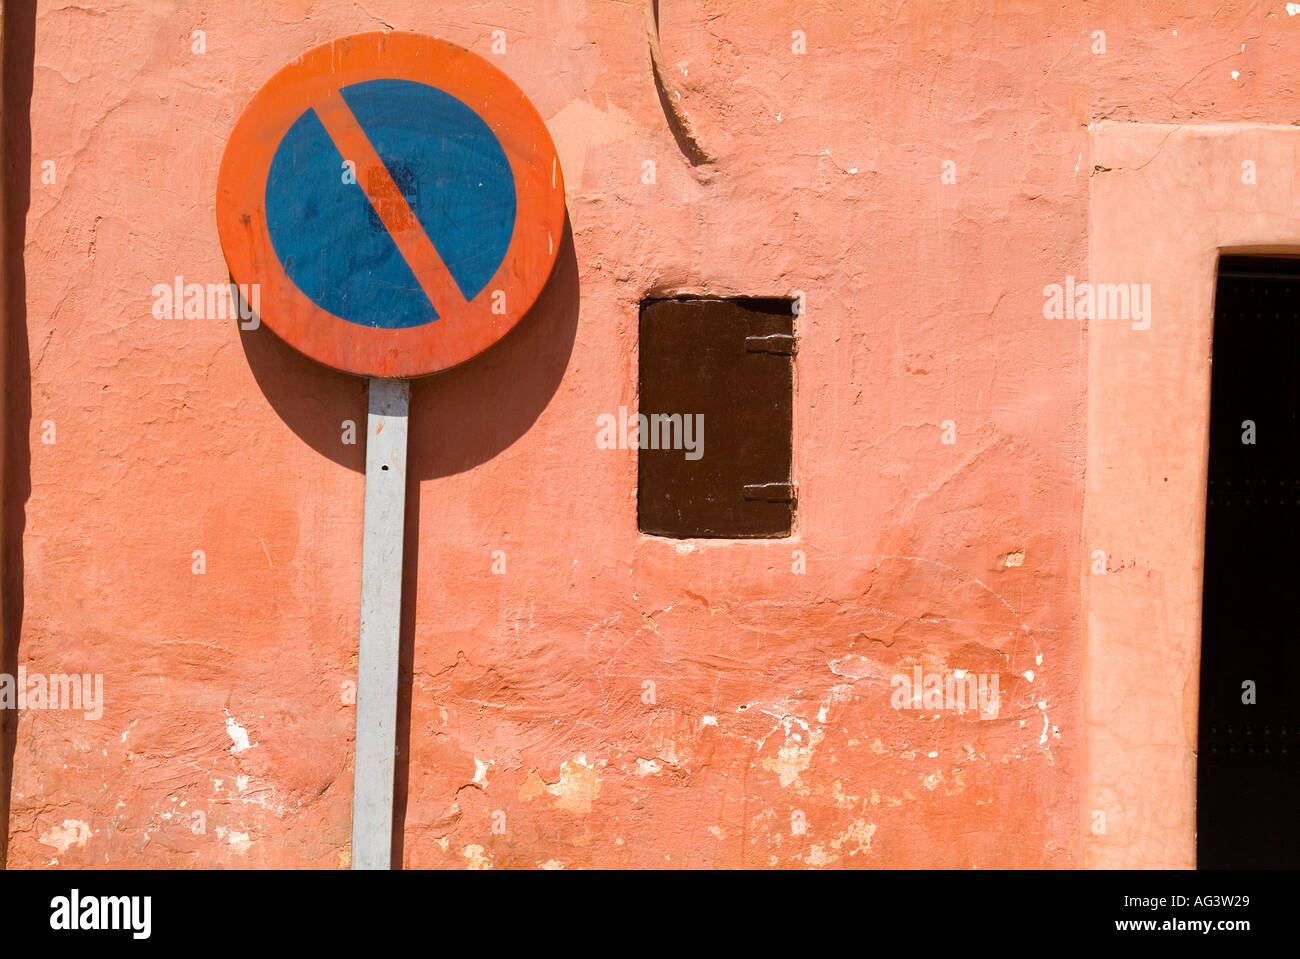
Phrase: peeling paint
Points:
(72, 832)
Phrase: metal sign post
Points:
(381, 617)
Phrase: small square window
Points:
(716, 417)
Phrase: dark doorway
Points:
(1248, 765)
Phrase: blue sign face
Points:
(453, 177)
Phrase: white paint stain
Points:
(818, 857)
(576, 789)
(238, 735)
(792, 760)
(476, 857)
(858, 836)
(73, 832)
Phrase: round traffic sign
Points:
(397, 199)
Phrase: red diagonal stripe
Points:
(390, 205)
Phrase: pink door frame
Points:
(1165, 201)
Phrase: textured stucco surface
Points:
(226, 737)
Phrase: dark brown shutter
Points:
(731, 361)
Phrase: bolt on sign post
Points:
(399, 202)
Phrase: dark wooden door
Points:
(1248, 775)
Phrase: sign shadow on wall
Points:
(462, 417)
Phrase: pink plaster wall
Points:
(771, 739)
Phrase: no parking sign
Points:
(398, 199)
(399, 204)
